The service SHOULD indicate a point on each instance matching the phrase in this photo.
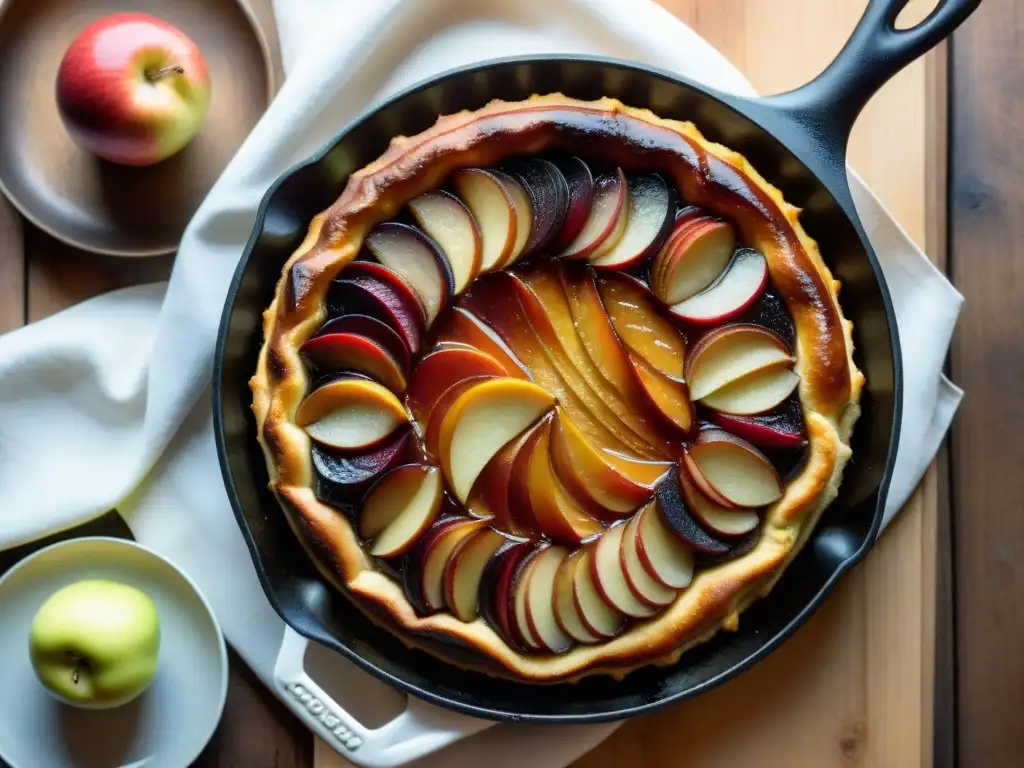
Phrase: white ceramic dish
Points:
(169, 724)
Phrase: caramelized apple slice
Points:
(434, 419)
(465, 569)
(678, 517)
(549, 199)
(598, 616)
(698, 252)
(591, 475)
(416, 259)
(668, 396)
(483, 419)
(520, 504)
(731, 294)
(661, 551)
(716, 518)
(640, 326)
(366, 288)
(438, 545)
(606, 219)
(756, 393)
(463, 327)
(399, 508)
(652, 203)
(540, 600)
(736, 469)
(610, 576)
(350, 413)
(556, 514)
(580, 181)
(646, 587)
(441, 369)
(497, 596)
(351, 352)
(491, 493)
(520, 599)
(731, 352)
(495, 212)
(566, 612)
(524, 216)
(450, 224)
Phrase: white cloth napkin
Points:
(108, 404)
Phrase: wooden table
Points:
(870, 680)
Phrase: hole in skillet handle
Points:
(821, 114)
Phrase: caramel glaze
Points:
(705, 174)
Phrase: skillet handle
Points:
(827, 107)
(420, 730)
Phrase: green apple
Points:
(96, 643)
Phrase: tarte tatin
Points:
(556, 388)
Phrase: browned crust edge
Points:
(707, 174)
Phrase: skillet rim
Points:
(755, 111)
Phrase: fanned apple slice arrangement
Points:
(547, 395)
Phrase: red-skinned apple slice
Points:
(736, 469)
(524, 216)
(438, 544)
(463, 327)
(678, 517)
(652, 204)
(549, 199)
(609, 575)
(764, 432)
(343, 476)
(716, 518)
(685, 219)
(464, 570)
(483, 419)
(731, 294)
(646, 587)
(566, 612)
(731, 352)
(556, 514)
(448, 222)
(580, 181)
(351, 352)
(640, 326)
(520, 504)
(520, 599)
(491, 204)
(663, 554)
(435, 419)
(756, 393)
(490, 496)
(441, 369)
(496, 589)
(367, 288)
(698, 252)
(399, 508)
(597, 615)
(540, 600)
(373, 329)
(416, 259)
(589, 474)
(687, 465)
(607, 218)
(350, 414)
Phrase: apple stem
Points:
(155, 74)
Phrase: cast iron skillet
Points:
(798, 141)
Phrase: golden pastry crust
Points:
(706, 174)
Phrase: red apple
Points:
(132, 89)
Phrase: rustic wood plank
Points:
(855, 683)
(12, 268)
(986, 229)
